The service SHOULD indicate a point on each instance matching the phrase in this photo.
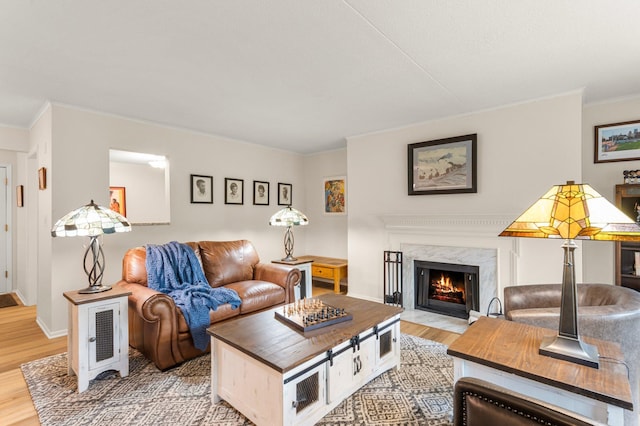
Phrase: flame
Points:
(444, 284)
(444, 289)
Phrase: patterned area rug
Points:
(419, 393)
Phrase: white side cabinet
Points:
(98, 335)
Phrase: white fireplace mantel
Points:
(488, 225)
(463, 239)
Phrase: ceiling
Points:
(301, 75)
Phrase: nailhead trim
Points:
(501, 405)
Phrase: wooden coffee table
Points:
(276, 375)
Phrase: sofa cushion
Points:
(133, 266)
(257, 295)
(222, 313)
(226, 262)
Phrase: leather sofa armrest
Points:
(285, 276)
(531, 296)
(478, 402)
(153, 324)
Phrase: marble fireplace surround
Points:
(457, 239)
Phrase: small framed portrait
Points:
(201, 189)
(118, 199)
(233, 191)
(260, 193)
(335, 195)
(285, 195)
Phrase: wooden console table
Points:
(506, 353)
(327, 267)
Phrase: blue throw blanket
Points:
(173, 269)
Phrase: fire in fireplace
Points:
(446, 288)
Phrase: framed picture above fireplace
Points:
(443, 166)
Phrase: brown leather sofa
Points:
(605, 312)
(158, 329)
(480, 403)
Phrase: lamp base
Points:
(94, 289)
(569, 349)
(289, 258)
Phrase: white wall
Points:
(522, 150)
(81, 143)
(599, 255)
(39, 232)
(14, 139)
(145, 196)
(326, 234)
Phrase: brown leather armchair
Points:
(480, 403)
(157, 327)
(605, 311)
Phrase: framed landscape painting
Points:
(617, 142)
(443, 166)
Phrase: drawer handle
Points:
(294, 404)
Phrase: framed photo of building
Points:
(201, 189)
(260, 193)
(443, 166)
(617, 142)
(233, 191)
(335, 195)
(285, 194)
(118, 199)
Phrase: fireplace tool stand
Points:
(392, 278)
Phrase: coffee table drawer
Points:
(319, 271)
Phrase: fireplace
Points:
(446, 288)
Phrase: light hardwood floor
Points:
(22, 340)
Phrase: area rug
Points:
(419, 393)
(7, 300)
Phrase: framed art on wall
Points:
(335, 195)
(201, 189)
(260, 193)
(42, 178)
(285, 195)
(118, 199)
(443, 166)
(234, 191)
(617, 142)
(20, 195)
